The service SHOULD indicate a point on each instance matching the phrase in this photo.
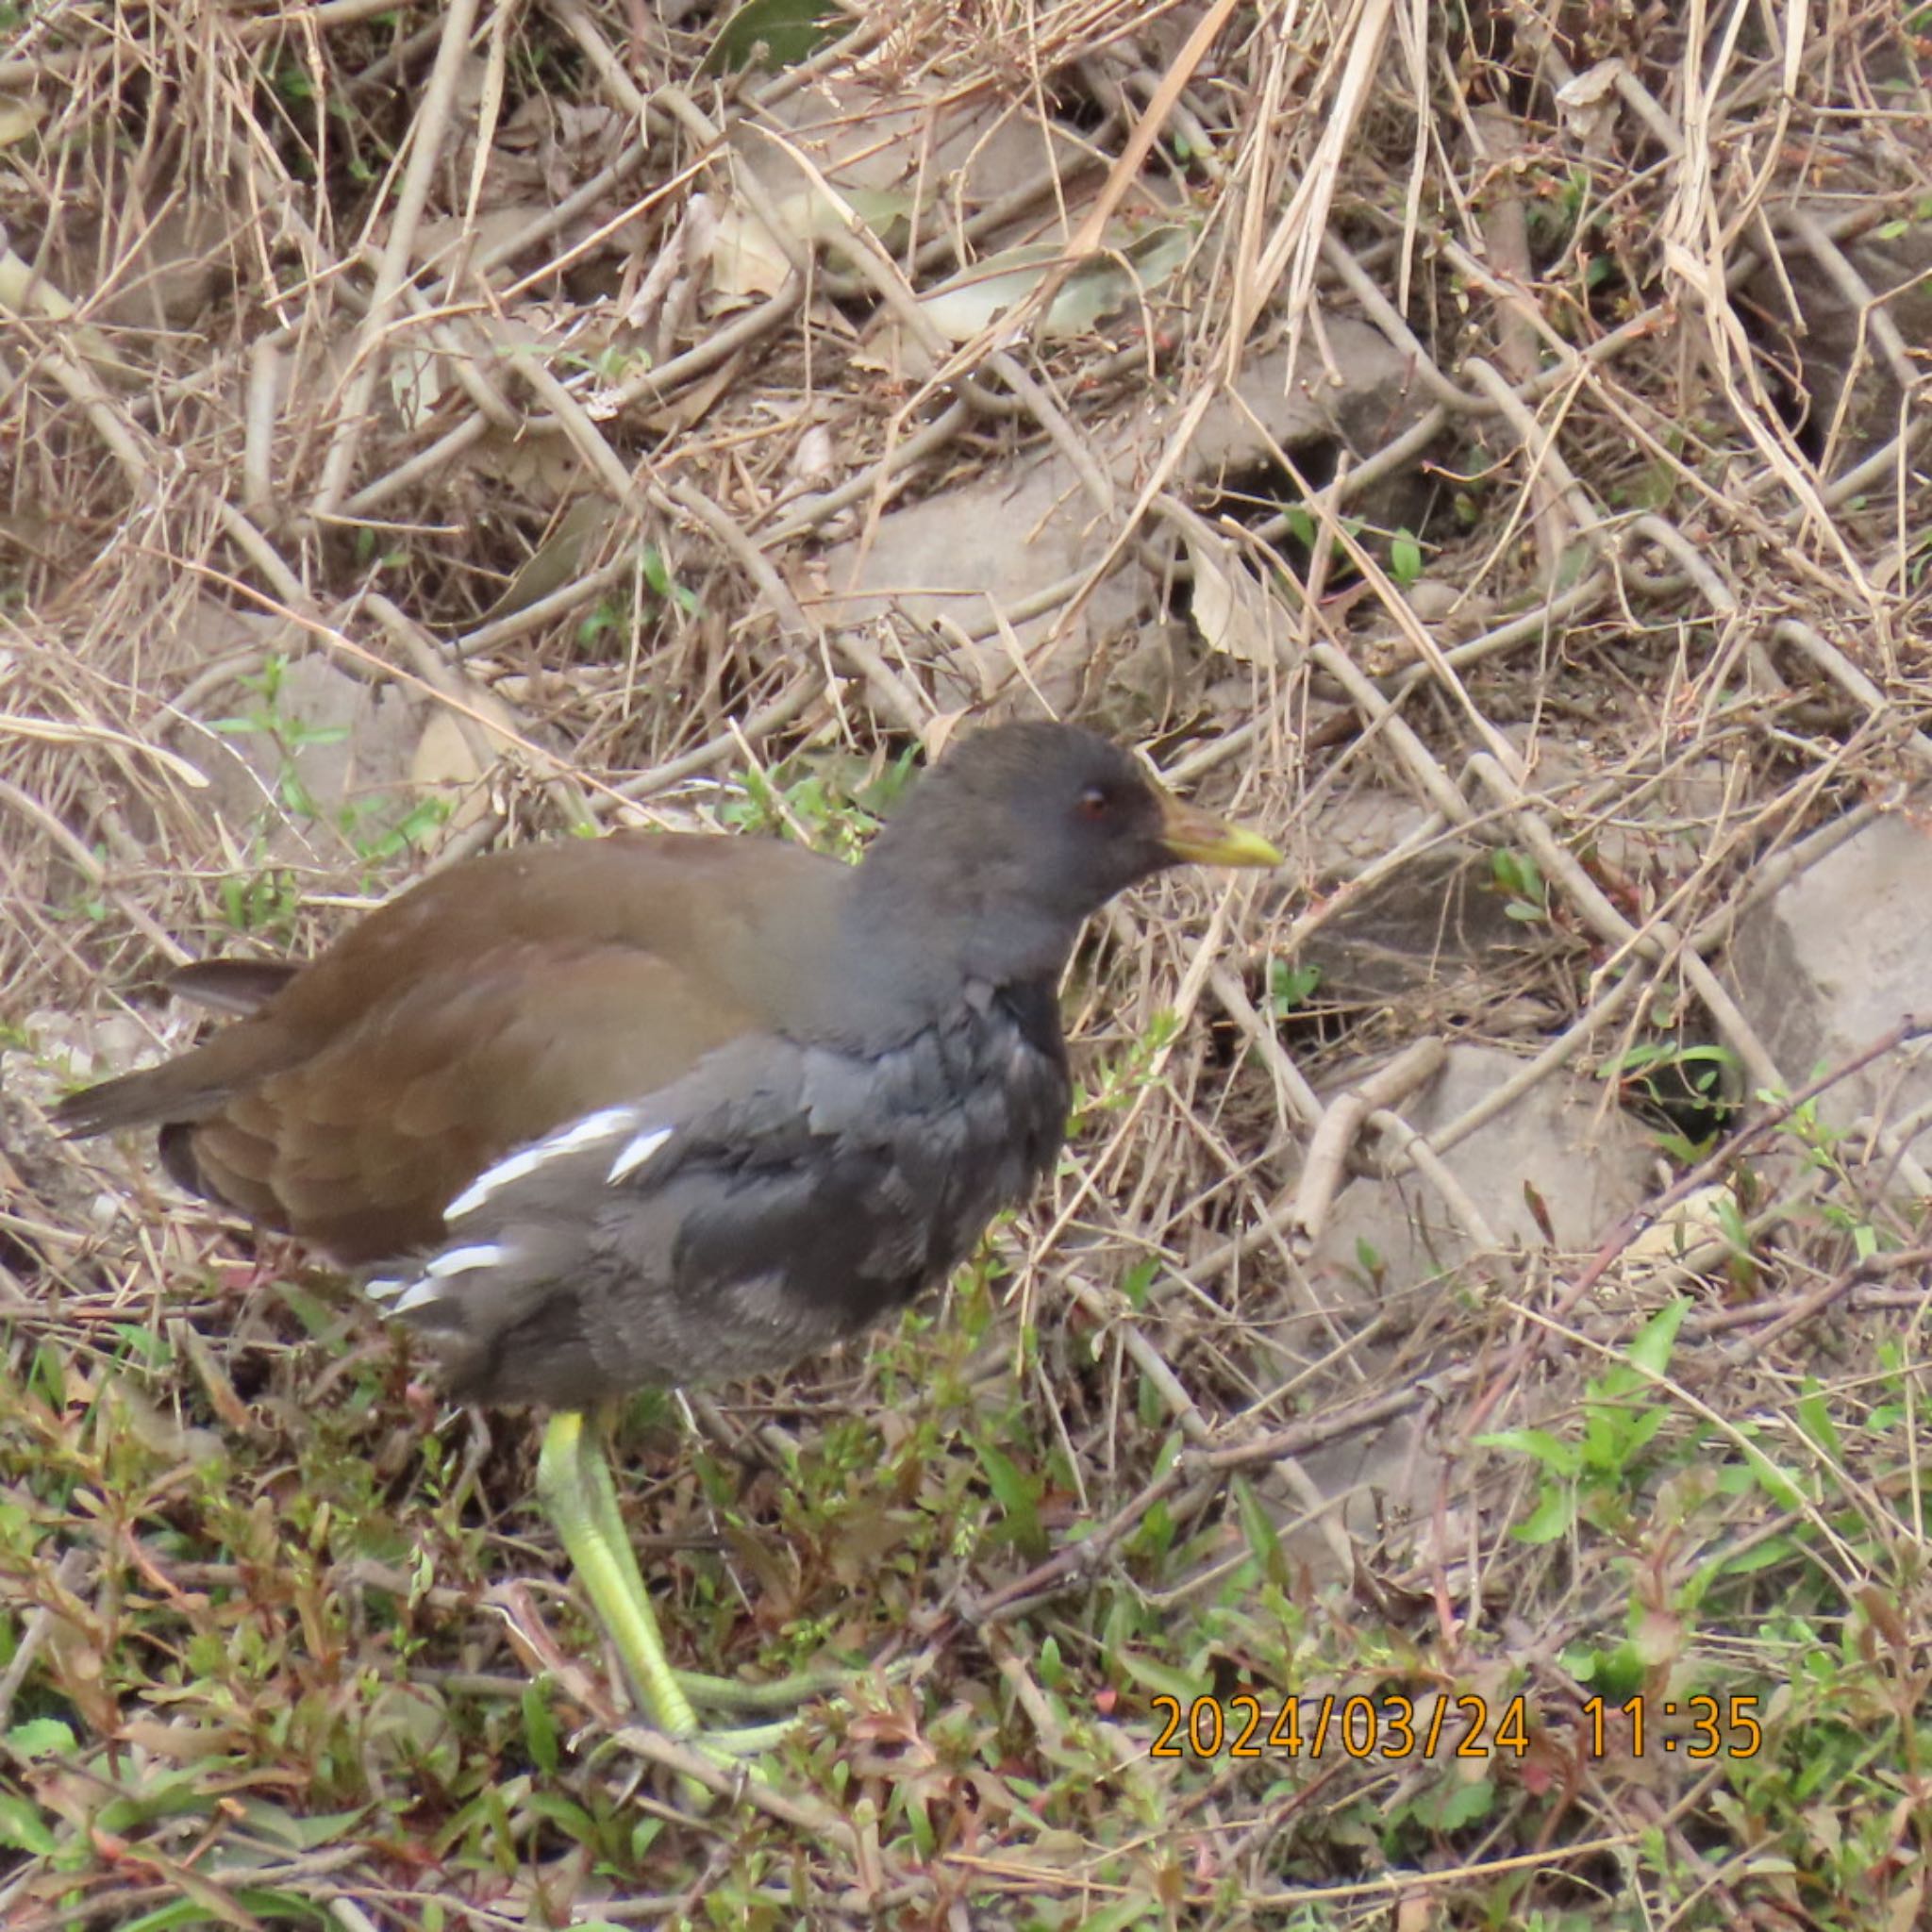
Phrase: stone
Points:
(1588, 1165)
(1836, 959)
(317, 770)
(1021, 526)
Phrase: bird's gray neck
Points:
(914, 939)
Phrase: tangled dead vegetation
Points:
(1486, 447)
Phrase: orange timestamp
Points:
(1357, 1727)
(1709, 1726)
(1468, 1726)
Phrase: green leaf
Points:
(1164, 1680)
(1765, 1556)
(1642, 1428)
(301, 1834)
(774, 33)
(1016, 1495)
(1155, 1537)
(212, 1906)
(1652, 1349)
(1258, 1527)
(565, 1812)
(1620, 1673)
(1563, 1458)
(1781, 1489)
(539, 1730)
(42, 1737)
(1448, 1804)
(23, 1826)
(183, 1912)
(1150, 1405)
(315, 1315)
(277, 1905)
(1556, 1510)
(1290, 986)
(1814, 1418)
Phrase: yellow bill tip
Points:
(1198, 838)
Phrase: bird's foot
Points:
(787, 1695)
(743, 1744)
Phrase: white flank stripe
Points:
(637, 1153)
(384, 1287)
(487, 1183)
(422, 1292)
(593, 1126)
(525, 1161)
(460, 1261)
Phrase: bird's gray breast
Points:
(905, 1156)
(782, 1195)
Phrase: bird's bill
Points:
(1198, 838)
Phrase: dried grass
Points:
(276, 384)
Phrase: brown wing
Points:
(478, 1012)
(361, 1146)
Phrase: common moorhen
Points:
(669, 1108)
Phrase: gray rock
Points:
(968, 553)
(1589, 1167)
(1837, 957)
(1435, 923)
(328, 764)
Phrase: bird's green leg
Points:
(574, 1486)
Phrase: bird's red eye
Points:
(1093, 803)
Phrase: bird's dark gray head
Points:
(1019, 832)
(1045, 815)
